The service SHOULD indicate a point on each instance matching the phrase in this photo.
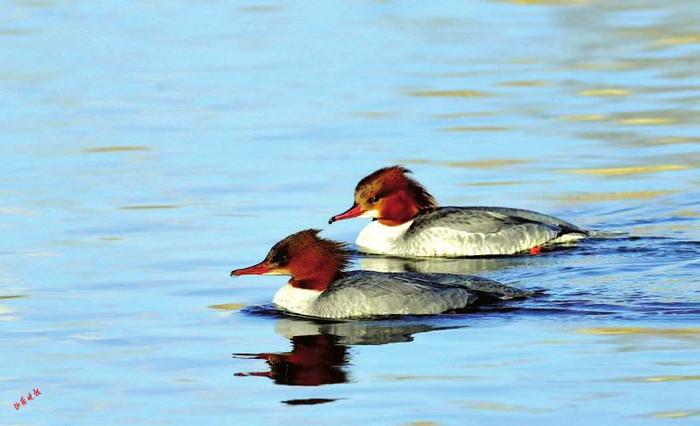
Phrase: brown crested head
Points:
(389, 180)
(389, 195)
(312, 261)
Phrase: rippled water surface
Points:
(149, 148)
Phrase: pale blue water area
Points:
(150, 147)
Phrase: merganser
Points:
(321, 288)
(407, 222)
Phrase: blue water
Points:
(149, 148)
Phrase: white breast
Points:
(297, 300)
(378, 238)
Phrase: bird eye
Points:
(375, 199)
(278, 258)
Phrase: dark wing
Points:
(532, 216)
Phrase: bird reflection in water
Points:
(314, 360)
(320, 353)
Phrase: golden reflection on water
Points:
(42, 254)
(6, 314)
(678, 363)
(639, 139)
(674, 414)
(524, 83)
(605, 92)
(661, 379)
(492, 163)
(692, 332)
(228, 306)
(494, 183)
(451, 74)
(647, 121)
(611, 196)
(16, 32)
(630, 170)
(262, 8)
(464, 114)
(37, 3)
(16, 211)
(686, 213)
(475, 129)
(464, 93)
(657, 118)
(584, 117)
(151, 207)
(548, 2)
(373, 114)
(124, 148)
(674, 140)
(487, 164)
(679, 40)
(631, 64)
